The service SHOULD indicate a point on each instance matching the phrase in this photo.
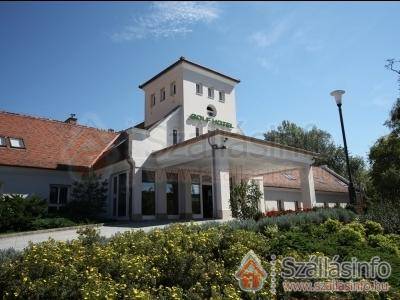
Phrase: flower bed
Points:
(184, 261)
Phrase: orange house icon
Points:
(251, 275)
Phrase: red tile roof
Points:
(51, 144)
(324, 180)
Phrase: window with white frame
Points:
(172, 89)
(3, 141)
(16, 143)
(119, 195)
(152, 100)
(221, 96)
(210, 93)
(199, 89)
(162, 94)
(59, 195)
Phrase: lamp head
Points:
(338, 96)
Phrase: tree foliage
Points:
(18, 212)
(244, 200)
(88, 197)
(384, 157)
(319, 141)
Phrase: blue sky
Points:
(88, 59)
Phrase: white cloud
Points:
(166, 19)
(265, 39)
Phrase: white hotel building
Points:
(179, 163)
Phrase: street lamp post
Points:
(338, 99)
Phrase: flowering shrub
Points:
(180, 262)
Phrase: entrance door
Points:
(207, 201)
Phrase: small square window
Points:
(221, 96)
(211, 93)
(16, 143)
(3, 141)
(199, 89)
(162, 94)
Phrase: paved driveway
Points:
(20, 242)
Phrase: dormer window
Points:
(152, 100)
(210, 93)
(3, 141)
(162, 94)
(17, 143)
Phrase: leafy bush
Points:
(180, 262)
(88, 197)
(17, 212)
(349, 236)
(300, 218)
(386, 214)
(45, 223)
(372, 227)
(244, 199)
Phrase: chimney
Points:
(71, 120)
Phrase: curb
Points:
(23, 233)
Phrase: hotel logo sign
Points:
(213, 121)
(250, 274)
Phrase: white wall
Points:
(289, 197)
(197, 104)
(145, 142)
(33, 181)
(157, 112)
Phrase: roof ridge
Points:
(53, 120)
(182, 59)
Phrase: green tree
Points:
(244, 200)
(319, 141)
(384, 158)
(88, 197)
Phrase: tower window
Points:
(199, 89)
(211, 93)
(211, 111)
(197, 131)
(172, 89)
(162, 94)
(152, 100)
(16, 143)
(174, 137)
(221, 96)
